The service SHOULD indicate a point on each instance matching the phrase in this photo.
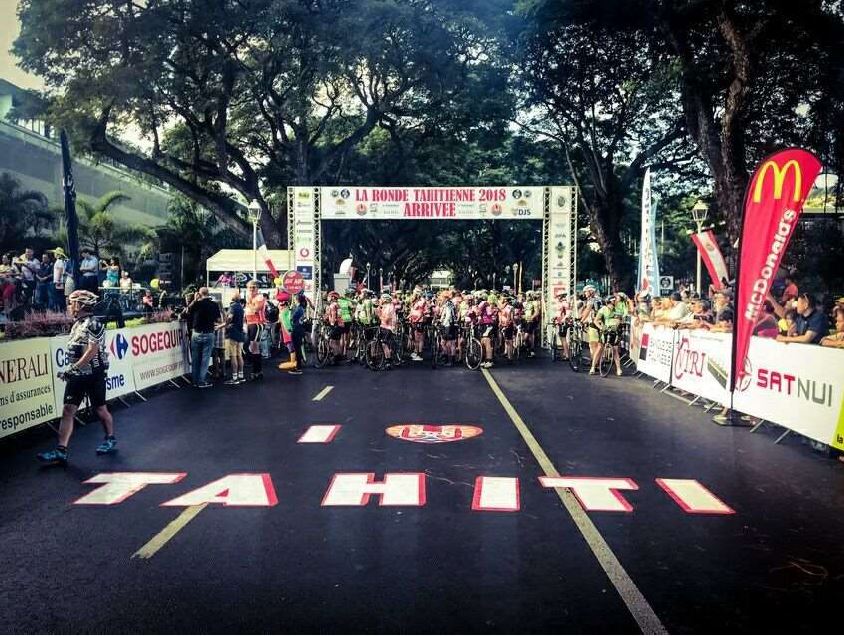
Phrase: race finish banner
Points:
(458, 203)
(562, 265)
(772, 206)
(303, 236)
(648, 275)
(26, 385)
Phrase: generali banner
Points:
(772, 206)
(26, 385)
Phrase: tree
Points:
(99, 231)
(754, 76)
(608, 99)
(20, 211)
(250, 95)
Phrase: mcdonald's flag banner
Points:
(772, 206)
(707, 245)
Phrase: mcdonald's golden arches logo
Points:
(779, 179)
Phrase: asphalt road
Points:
(775, 565)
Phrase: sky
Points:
(9, 29)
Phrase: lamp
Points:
(254, 211)
(699, 213)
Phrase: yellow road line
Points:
(633, 598)
(322, 393)
(169, 531)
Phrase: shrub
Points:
(38, 324)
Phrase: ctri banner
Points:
(648, 275)
(772, 206)
(26, 385)
(139, 357)
(800, 387)
(457, 203)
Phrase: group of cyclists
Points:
(472, 327)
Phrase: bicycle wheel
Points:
(323, 353)
(555, 352)
(575, 352)
(375, 355)
(436, 347)
(474, 353)
(606, 360)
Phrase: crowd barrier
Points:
(139, 357)
(799, 387)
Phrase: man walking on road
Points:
(86, 376)
(202, 316)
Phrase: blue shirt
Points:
(234, 331)
(298, 317)
(815, 322)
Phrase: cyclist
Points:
(507, 325)
(418, 309)
(255, 324)
(387, 321)
(347, 307)
(607, 321)
(591, 304)
(335, 321)
(448, 321)
(86, 376)
(533, 314)
(487, 318)
(563, 324)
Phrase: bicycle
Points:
(609, 338)
(324, 356)
(473, 352)
(575, 338)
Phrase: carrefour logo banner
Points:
(773, 204)
(119, 378)
(457, 203)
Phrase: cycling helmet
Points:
(386, 296)
(609, 299)
(84, 298)
(333, 294)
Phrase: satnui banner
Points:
(712, 257)
(26, 385)
(159, 353)
(648, 276)
(772, 207)
(120, 379)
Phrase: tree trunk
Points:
(604, 223)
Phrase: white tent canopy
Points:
(243, 260)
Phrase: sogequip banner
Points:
(772, 206)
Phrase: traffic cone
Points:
(290, 364)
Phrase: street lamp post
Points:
(699, 213)
(254, 216)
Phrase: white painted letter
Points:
(120, 486)
(694, 498)
(397, 489)
(246, 489)
(319, 434)
(595, 493)
(500, 494)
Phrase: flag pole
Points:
(70, 210)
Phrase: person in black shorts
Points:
(85, 377)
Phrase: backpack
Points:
(271, 312)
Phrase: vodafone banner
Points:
(773, 204)
(159, 353)
(457, 203)
(711, 255)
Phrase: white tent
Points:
(244, 260)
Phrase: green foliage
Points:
(22, 212)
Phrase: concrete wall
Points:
(37, 163)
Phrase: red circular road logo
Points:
(434, 433)
(293, 282)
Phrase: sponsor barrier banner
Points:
(160, 352)
(559, 248)
(700, 364)
(457, 203)
(648, 276)
(119, 379)
(656, 348)
(26, 385)
(797, 386)
(772, 207)
(304, 236)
